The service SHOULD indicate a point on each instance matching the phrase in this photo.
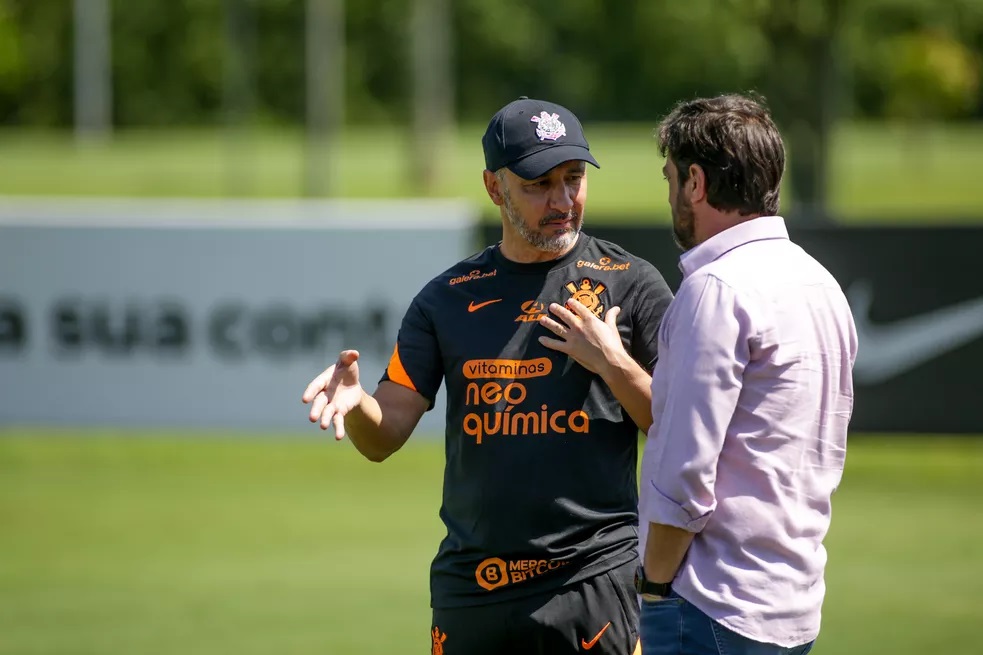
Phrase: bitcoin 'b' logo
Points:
(492, 573)
(587, 294)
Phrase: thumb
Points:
(348, 357)
(611, 318)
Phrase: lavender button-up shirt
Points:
(750, 399)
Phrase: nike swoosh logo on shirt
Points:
(890, 349)
(593, 642)
(472, 307)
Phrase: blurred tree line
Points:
(610, 60)
(623, 60)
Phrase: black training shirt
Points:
(539, 487)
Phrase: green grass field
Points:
(880, 173)
(203, 544)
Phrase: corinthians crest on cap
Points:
(549, 126)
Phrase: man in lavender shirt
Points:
(751, 398)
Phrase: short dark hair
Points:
(737, 144)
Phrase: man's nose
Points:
(561, 198)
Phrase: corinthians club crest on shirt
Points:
(588, 294)
(549, 126)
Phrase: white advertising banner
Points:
(206, 314)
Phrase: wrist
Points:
(654, 577)
(615, 366)
(649, 588)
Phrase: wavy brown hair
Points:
(737, 144)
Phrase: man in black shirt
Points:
(546, 342)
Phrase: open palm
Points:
(335, 392)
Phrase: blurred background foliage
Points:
(628, 60)
(864, 91)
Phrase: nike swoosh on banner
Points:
(890, 349)
(473, 307)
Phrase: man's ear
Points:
(696, 184)
(494, 187)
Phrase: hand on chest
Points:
(493, 330)
(506, 382)
(507, 315)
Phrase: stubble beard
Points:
(683, 225)
(556, 243)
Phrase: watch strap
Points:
(644, 586)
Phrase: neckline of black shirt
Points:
(540, 267)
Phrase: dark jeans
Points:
(676, 627)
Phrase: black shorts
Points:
(598, 616)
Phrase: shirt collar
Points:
(755, 229)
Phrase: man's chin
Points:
(680, 239)
(684, 240)
(558, 241)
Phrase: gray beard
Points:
(539, 241)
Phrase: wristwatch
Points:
(644, 586)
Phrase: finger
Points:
(348, 357)
(327, 416)
(611, 318)
(317, 384)
(554, 344)
(340, 370)
(577, 308)
(563, 313)
(339, 427)
(553, 326)
(317, 405)
(345, 358)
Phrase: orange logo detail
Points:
(473, 307)
(490, 420)
(495, 572)
(492, 574)
(587, 294)
(473, 275)
(604, 264)
(531, 311)
(438, 641)
(507, 369)
(593, 642)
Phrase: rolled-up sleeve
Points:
(695, 392)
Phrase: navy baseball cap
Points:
(533, 136)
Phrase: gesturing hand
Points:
(591, 342)
(335, 392)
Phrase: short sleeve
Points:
(416, 359)
(649, 304)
